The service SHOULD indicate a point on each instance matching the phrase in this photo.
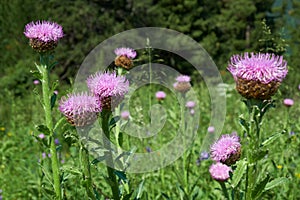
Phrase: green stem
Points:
(85, 162)
(224, 189)
(48, 115)
(105, 114)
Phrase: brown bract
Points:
(251, 89)
(123, 61)
(42, 46)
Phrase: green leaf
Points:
(239, 172)
(244, 123)
(127, 196)
(71, 170)
(36, 74)
(97, 160)
(53, 99)
(113, 121)
(276, 182)
(140, 190)
(42, 128)
(272, 138)
(259, 188)
(121, 175)
(166, 196)
(258, 155)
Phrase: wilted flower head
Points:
(108, 87)
(257, 76)
(124, 57)
(227, 149)
(80, 109)
(125, 115)
(182, 83)
(43, 35)
(160, 95)
(190, 104)
(220, 171)
(288, 102)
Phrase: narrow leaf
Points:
(272, 138)
(276, 182)
(239, 172)
(259, 188)
(114, 120)
(42, 128)
(121, 175)
(53, 99)
(140, 190)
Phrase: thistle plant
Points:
(43, 37)
(257, 78)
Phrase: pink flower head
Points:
(107, 85)
(160, 95)
(190, 104)
(80, 109)
(42, 135)
(36, 82)
(288, 102)
(227, 149)
(125, 115)
(44, 31)
(211, 129)
(55, 92)
(183, 78)
(263, 67)
(220, 171)
(128, 52)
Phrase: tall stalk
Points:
(44, 71)
(105, 115)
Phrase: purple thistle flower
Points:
(211, 129)
(183, 78)
(288, 102)
(227, 149)
(160, 95)
(125, 115)
(36, 82)
(190, 104)
(56, 141)
(128, 52)
(42, 135)
(219, 171)
(80, 109)
(192, 111)
(107, 87)
(44, 155)
(258, 67)
(257, 76)
(44, 31)
(183, 84)
(55, 92)
(148, 149)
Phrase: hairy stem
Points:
(49, 123)
(108, 154)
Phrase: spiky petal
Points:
(220, 172)
(43, 35)
(80, 109)
(108, 87)
(258, 76)
(227, 149)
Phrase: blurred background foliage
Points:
(223, 28)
